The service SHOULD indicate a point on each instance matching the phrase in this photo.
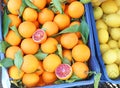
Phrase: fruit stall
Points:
(60, 43)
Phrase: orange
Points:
(62, 20)
(15, 20)
(81, 52)
(80, 69)
(74, 23)
(12, 38)
(71, 1)
(30, 63)
(30, 14)
(80, 41)
(39, 3)
(66, 9)
(45, 15)
(67, 53)
(15, 73)
(30, 80)
(51, 62)
(48, 1)
(29, 46)
(14, 6)
(40, 69)
(69, 40)
(26, 29)
(11, 51)
(36, 24)
(51, 28)
(49, 46)
(76, 9)
(41, 82)
(49, 77)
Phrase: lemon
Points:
(117, 2)
(100, 24)
(98, 13)
(118, 56)
(97, 3)
(104, 48)
(115, 33)
(112, 20)
(118, 12)
(103, 36)
(110, 56)
(109, 6)
(112, 71)
(113, 44)
(119, 43)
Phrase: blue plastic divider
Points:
(93, 64)
(104, 77)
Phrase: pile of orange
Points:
(35, 72)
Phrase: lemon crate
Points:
(104, 77)
(93, 64)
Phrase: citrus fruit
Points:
(36, 23)
(40, 3)
(45, 15)
(81, 52)
(15, 73)
(49, 77)
(40, 69)
(30, 63)
(74, 23)
(51, 62)
(12, 38)
(69, 40)
(63, 71)
(26, 29)
(51, 28)
(49, 46)
(15, 20)
(76, 9)
(67, 53)
(11, 51)
(29, 46)
(62, 20)
(14, 6)
(80, 69)
(30, 80)
(39, 36)
(30, 14)
(41, 82)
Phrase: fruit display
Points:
(46, 42)
(107, 18)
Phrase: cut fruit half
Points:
(63, 71)
(39, 36)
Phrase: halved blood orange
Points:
(63, 71)
(39, 36)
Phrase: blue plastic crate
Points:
(93, 64)
(104, 77)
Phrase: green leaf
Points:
(40, 55)
(73, 79)
(6, 62)
(58, 5)
(59, 47)
(22, 7)
(6, 23)
(74, 28)
(97, 79)
(18, 59)
(84, 30)
(3, 46)
(85, 1)
(59, 81)
(14, 28)
(66, 61)
(31, 5)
